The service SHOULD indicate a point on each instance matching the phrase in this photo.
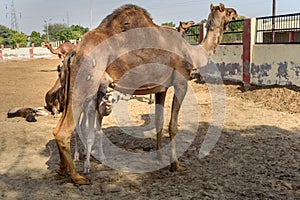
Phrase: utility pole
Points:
(91, 15)
(273, 21)
(68, 20)
(47, 28)
(13, 16)
(274, 8)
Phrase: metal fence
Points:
(281, 29)
(233, 35)
(192, 35)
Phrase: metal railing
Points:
(192, 35)
(233, 35)
(281, 29)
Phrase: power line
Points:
(13, 16)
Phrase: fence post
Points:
(31, 55)
(291, 36)
(246, 57)
(248, 42)
(201, 33)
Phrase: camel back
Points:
(125, 18)
(133, 19)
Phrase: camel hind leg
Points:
(62, 134)
(180, 89)
(159, 120)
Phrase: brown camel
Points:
(184, 27)
(125, 19)
(62, 50)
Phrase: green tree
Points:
(19, 38)
(80, 29)
(72, 33)
(53, 30)
(171, 24)
(35, 37)
(234, 31)
(203, 21)
(6, 34)
(237, 25)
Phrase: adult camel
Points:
(184, 27)
(126, 18)
(62, 50)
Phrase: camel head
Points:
(46, 44)
(184, 26)
(220, 17)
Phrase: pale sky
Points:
(31, 14)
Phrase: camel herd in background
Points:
(59, 97)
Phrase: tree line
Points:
(62, 32)
(54, 32)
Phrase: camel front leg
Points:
(76, 153)
(159, 120)
(179, 94)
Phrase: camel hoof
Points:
(80, 180)
(76, 157)
(176, 167)
(150, 102)
(62, 172)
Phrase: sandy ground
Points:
(256, 157)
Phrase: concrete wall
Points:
(24, 53)
(265, 64)
(271, 64)
(228, 59)
(276, 64)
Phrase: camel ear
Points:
(211, 7)
(221, 7)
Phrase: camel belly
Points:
(149, 89)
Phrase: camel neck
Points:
(212, 40)
(181, 31)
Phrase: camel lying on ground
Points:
(127, 18)
(62, 50)
(28, 113)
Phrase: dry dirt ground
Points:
(256, 157)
